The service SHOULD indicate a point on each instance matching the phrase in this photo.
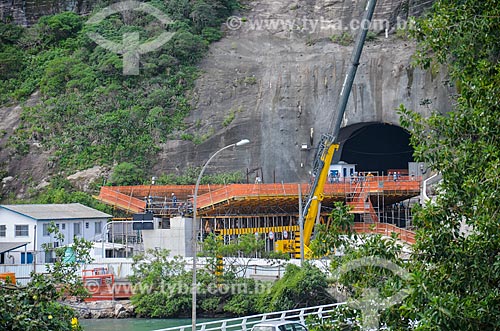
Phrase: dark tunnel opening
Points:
(378, 147)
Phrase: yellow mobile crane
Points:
(328, 144)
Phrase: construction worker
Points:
(174, 200)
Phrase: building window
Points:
(86, 225)
(63, 226)
(45, 231)
(3, 230)
(98, 228)
(26, 258)
(22, 230)
(49, 257)
(76, 229)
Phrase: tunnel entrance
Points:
(378, 147)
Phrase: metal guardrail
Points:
(246, 323)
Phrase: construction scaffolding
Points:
(381, 204)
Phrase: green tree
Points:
(162, 286)
(299, 287)
(68, 260)
(204, 14)
(337, 234)
(38, 305)
(187, 47)
(61, 26)
(225, 265)
(35, 307)
(9, 33)
(126, 173)
(456, 261)
(11, 61)
(60, 190)
(359, 262)
(246, 246)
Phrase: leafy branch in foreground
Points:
(456, 261)
(39, 305)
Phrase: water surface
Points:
(132, 324)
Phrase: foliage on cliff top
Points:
(90, 113)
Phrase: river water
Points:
(131, 324)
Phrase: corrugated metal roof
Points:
(57, 211)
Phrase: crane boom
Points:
(328, 144)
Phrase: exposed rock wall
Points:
(280, 77)
(104, 309)
(279, 74)
(27, 12)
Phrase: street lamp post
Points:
(195, 229)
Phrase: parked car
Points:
(279, 326)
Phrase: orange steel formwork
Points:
(132, 199)
(250, 196)
(259, 201)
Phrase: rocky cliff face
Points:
(26, 12)
(279, 74)
(275, 79)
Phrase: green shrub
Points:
(127, 173)
(59, 26)
(250, 80)
(211, 34)
(300, 287)
(344, 39)
(229, 118)
(371, 36)
(57, 74)
(11, 62)
(10, 33)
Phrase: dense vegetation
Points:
(89, 112)
(127, 173)
(163, 286)
(40, 304)
(454, 270)
(457, 256)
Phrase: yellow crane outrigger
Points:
(328, 144)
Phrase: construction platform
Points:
(236, 209)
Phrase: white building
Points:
(24, 229)
(176, 236)
(341, 171)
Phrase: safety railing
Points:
(386, 230)
(248, 191)
(246, 323)
(132, 197)
(121, 200)
(366, 185)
